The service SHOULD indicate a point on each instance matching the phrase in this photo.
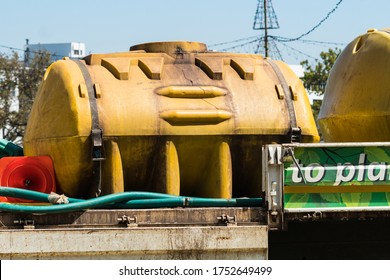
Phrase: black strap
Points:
(295, 131)
(96, 130)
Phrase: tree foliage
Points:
(18, 86)
(316, 76)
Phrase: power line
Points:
(316, 26)
(265, 11)
(34, 52)
(241, 45)
(296, 50)
(273, 49)
(11, 48)
(314, 42)
(234, 41)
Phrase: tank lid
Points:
(171, 48)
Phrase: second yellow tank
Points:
(356, 105)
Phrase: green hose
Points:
(9, 149)
(30, 195)
(44, 197)
(180, 201)
(126, 200)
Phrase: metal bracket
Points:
(295, 135)
(27, 224)
(129, 221)
(227, 220)
(273, 185)
(97, 144)
(315, 216)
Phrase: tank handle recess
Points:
(171, 48)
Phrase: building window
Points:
(76, 52)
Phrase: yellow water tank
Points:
(356, 101)
(168, 117)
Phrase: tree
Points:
(315, 77)
(8, 83)
(18, 87)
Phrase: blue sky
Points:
(113, 26)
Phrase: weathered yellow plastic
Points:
(175, 118)
(357, 96)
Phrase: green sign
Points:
(338, 177)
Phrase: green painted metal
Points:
(338, 177)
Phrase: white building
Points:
(72, 50)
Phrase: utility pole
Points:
(265, 30)
(26, 53)
(265, 18)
